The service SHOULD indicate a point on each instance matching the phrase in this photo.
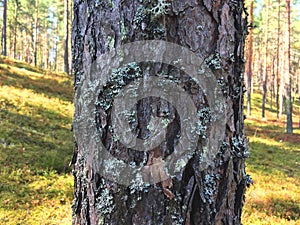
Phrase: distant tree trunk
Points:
(56, 49)
(4, 52)
(273, 83)
(277, 61)
(265, 70)
(47, 51)
(250, 60)
(10, 39)
(288, 85)
(35, 32)
(66, 38)
(281, 84)
(16, 23)
(213, 30)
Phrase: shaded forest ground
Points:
(36, 147)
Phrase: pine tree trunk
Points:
(288, 86)
(66, 38)
(16, 17)
(35, 39)
(265, 70)
(213, 195)
(4, 49)
(278, 61)
(250, 60)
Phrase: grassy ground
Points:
(36, 147)
(274, 164)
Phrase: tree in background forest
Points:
(66, 37)
(274, 57)
(37, 32)
(214, 30)
(4, 28)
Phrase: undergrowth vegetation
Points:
(36, 144)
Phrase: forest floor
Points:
(36, 144)
(274, 165)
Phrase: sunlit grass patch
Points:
(273, 199)
(29, 198)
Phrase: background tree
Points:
(265, 72)
(288, 86)
(249, 63)
(4, 49)
(66, 37)
(39, 35)
(276, 85)
(35, 33)
(214, 30)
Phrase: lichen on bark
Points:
(214, 30)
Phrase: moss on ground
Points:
(274, 165)
(36, 145)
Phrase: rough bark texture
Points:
(215, 30)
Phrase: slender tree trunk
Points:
(194, 196)
(249, 62)
(48, 46)
(53, 45)
(265, 70)
(11, 39)
(56, 50)
(272, 91)
(35, 32)
(4, 49)
(16, 17)
(70, 39)
(281, 85)
(277, 60)
(66, 38)
(289, 105)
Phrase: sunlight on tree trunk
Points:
(278, 75)
(287, 74)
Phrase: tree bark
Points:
(4, 49)
(66, 38)
(250, 60)
(35, 40)
(16, 23)
(288, 85)
(278, 76)
(265, 70)
(213, 30)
